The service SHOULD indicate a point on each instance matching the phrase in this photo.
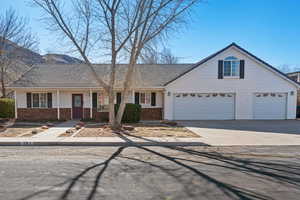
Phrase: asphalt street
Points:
(179, 173)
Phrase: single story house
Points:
(230, 84)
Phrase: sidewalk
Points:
(55, 131)
(100, 141)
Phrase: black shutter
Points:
(28, 98)
(137, 98)
(153, 99)
(242, 69)
(220, 69)
(49, 97)
(119, 97)
(94, 100)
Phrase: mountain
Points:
(30, 57)
(60, 59)
(22, 59)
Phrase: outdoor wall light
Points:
(292, 93)
(169, 93)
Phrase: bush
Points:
(298, 111)
(7, 108)
(132, 113)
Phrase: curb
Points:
(126, 144)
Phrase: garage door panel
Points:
(269, 106)
(203, 106)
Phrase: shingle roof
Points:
(79, 75)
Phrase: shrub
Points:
(132, 113)
(7, 108)
(298, 111)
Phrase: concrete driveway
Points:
(246, 132)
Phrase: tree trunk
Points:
(122, 108)
(126, 90)
(111, 100)
(3, 90)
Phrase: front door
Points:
(77, 106)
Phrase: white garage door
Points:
(270, 106)
(196, 106)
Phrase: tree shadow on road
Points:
(281, 173)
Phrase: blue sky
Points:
(268, 28)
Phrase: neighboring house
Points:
(294, 76)
(230, 84)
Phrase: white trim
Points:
(16, 107)
(91, 104)
(58, 104)
(133, 96)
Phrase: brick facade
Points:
(36, 114)
(101, 116)
(65, 113)
(151, 114)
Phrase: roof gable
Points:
(237, 47)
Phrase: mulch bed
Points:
(19, 130)
(140, 130)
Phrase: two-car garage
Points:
(204, 106)
(221, 106)
(231, 84)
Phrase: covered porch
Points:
(36, 104)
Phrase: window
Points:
(231, 66)
(39, 100)
(145, 98)
(103, 102)
(43, 100)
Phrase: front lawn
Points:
(140, 130)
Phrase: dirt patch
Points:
(21, 131)
(141, 130)
(68, 133)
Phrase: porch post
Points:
(132, 96)
(58, 104)
(91, 104)
(16, 107)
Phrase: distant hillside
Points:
(60, 59)
(30, 57)
(24, 59)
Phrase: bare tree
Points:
(168, 58)
(15, 35)
(154, 56)
(123, 27)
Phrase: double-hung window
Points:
(39, 100)
(231, 67)
(145, 98)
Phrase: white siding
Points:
(66, 98)
(258, 78)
